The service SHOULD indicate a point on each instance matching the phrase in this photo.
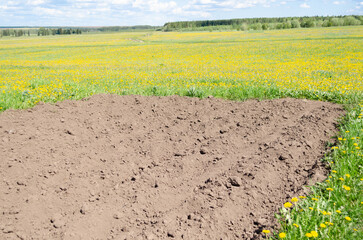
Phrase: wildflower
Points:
(348, 219)
(314, 199)
(329, 189)
(294, 200)
(341, 179)
(334, 171)
(266, 231)
(346, 188)
(347, 175)
(328, 181)
(309, 235)
(302, 197)
(354, 229)
(340, 139)
(314, 234)
(311, 208)
(338, 211)
(322, 225)
(329, 223)
(287, 205)
(295, 225)
(282, 235)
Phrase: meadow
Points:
(318, 64)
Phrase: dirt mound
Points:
(133, 167)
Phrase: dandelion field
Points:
(318, 64)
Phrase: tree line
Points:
(39, 32)
(265, 23)
(59, 31)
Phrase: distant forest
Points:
(240, 24)
(45, 31)
(244, 24)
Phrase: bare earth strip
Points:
(134, 167)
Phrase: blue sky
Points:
(158, 12)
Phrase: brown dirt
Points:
(133, 167)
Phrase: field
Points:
(317, 64)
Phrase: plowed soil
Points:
(133, 167)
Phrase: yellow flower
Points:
(294, 200)
(302, 197)
(311, 208)
(295, 225)
(341, 179)
(346, 188)
(309, 235)
(266, 231)
(315, 199)
(348, 218)
(287, 205)
(314, 234)
(322, 225)
(340, 139)
(329, 189)
(347, 175)
(334, 171)
(338, 211)
(355, 229)
(282, 235)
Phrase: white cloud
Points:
(304, 5)
(36, 2)
(48, 11)
(338, 2)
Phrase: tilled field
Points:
(134, 167)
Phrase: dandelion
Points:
(294, 200)
(314, 199)
(346, 188)
(282, 235)
(338, 211)
(287, 205)
(266, 231)
(334, 171)
(302, 197)
(295, 225)
(330, 189)
(354, 229)
(309, 235)
(341, 179)
(322, 225)
(348, 219)
(311, 208)
(347, 175)
(314, 234)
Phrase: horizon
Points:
(92, 13)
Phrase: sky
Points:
(158, 12)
